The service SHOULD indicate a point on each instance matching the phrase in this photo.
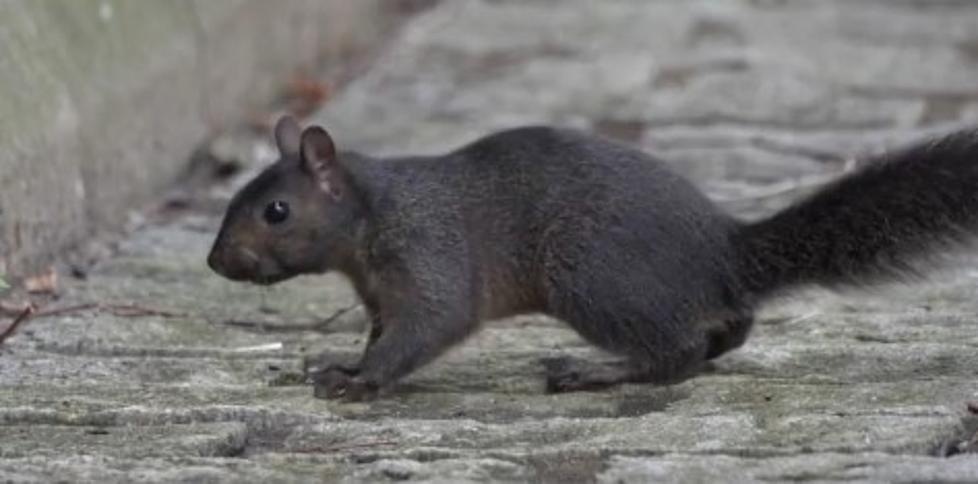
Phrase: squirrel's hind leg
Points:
(570, 374)
(653, 349)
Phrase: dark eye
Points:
(276, 212)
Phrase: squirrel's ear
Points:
(287, 135)
(318, 155)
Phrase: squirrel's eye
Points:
(276, 212)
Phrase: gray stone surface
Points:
(758, 101)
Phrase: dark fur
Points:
(874, 224)
(599, 235)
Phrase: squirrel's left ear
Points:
(287, 133)
(318, 154)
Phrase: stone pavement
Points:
(758, 101)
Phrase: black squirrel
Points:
(592, 232)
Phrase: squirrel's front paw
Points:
(340, 383)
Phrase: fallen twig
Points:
(29, 311)
(340, 448)
(121, 310)
(339, 313)
(803, 317)
(65, 310)
(259, 348)
(271, 326)
(23, 316)
(133, 311)
(9, 310)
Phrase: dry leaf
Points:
(45, 283)
(305, 94)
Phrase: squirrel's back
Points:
(529, 203)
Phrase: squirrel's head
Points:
(298, 216)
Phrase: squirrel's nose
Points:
(232, 262)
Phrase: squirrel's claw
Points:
(336, 383)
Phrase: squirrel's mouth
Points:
(245, 266)
(269, 279)
(268, 271)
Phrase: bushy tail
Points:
(876, 223)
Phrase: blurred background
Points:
(126, 126)
(104, 102)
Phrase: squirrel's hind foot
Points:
(569, 374)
